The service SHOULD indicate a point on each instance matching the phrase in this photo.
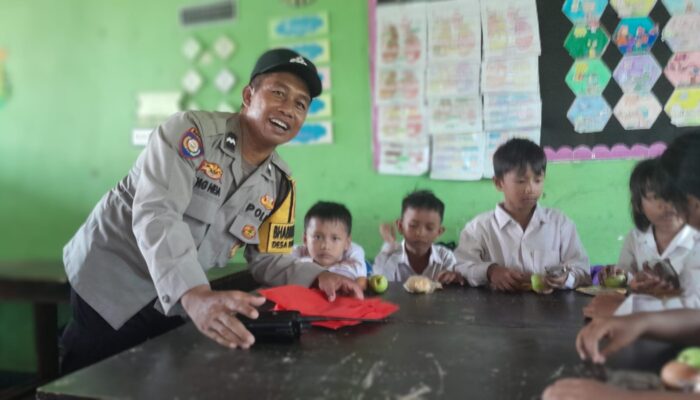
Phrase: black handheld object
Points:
(275, 326)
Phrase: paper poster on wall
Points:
(454, 30)
(582, 12)
(493, 139)
(299, 26)
(510, 75)
(318, 51)
(675, 7)
(510, 28)
(401, 34)
(314, 132)
(588, 41)
(681, 32)
(637, 110)
(589, 114)
(325, 74)
(320, 107)
(400, 122)
(398, 85)
(683, 69)
(684, 107)
(457, 157)
(632, 8)
(588, 77)
(637, 73)
(452, 78)
(454, 115)
(512, 111)
(404, 158)
(636, 35)
(152, 109)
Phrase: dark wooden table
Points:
(457, 343)
(45, 285)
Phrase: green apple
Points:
(690, 356)
(378, 283)
(539, 285)
(615, 281)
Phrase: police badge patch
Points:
(191, 144)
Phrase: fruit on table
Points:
(615, 281)
(378, 283)
(690, 356)
(539, 285)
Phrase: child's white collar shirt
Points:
(684, 255)
(494, 237)
(392, 262)
(352, 265)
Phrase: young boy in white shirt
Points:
(420, 224)
(328, 243)
(504, 247)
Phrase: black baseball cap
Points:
(286, 60)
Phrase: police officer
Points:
(205, 185)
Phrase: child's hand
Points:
(609, 270)
(574, 388)
(603, 305)
(448, 277)
(506, 279)
(556, 281)
(651, 284)
(388, 232)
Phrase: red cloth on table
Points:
(313, 302)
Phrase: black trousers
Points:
(88, 338)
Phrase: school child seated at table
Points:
(504, 247)
(420, 224)
(679, 167)
(660, 234)
(328, 243)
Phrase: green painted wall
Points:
(76, 67)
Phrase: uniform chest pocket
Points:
(202, 209)
(245, 228)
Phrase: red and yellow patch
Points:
(191, 144)
(212, 170)
(268, 202)
(248, 231)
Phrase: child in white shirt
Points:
(504, 247)
(660, 234)
(327, 241)
(420, 224)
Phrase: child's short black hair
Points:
(518, 154)
(643, 180)
(329, 211)
(423, 199)
(679, 167)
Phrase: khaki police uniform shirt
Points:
(185, 207)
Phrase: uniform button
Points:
(165, 298)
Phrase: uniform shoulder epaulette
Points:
(281, 165)
(210, 123)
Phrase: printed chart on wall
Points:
(587, 79)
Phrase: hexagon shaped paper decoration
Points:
(589, 114)
(681, 32)
(588, 77)
(683, 69)
(582, 11)
(637, 73)
(191, 48)
(637, 110)
(224, 47)
(632, 8)
(586, 41)
(635, 35)
(683, 107)
(192, 81)
(676, 7)
(224, 80)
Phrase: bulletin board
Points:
(558, 137)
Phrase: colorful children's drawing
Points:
(683, 69)
(510, 28)
(637, 73)
(632, 8)
(400, 122)
(299, 26)
(586, 41)
(588, 77)
(458, 157)
(681, 32)
(589, 114)
(637, 110)
(325, 74)
(584, 11)
(318, 51)
(454, 115)
(512, 111)
(453, 78)
(496, 138)
(399, 85)
(517, 74)
(636, 35)
(454, 30)
(404, 158)
(320, 106)
(683, 107)
(676, 7)
(401, 34)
